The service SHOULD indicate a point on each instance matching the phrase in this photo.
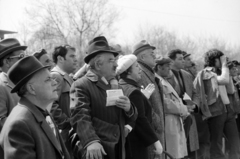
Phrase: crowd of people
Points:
(117, 106)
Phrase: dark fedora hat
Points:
(141, 46)
(98, 47)
(98, 38)
(9, 45)
(22, 71)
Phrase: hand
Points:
(190, 108)
(123, 103)
(126, 131)
(158, 149)
(148, 90)
(223, 60)
(95, 151)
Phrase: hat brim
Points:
(25, 79)
(6, 52)
(136, 52)
(93, 54)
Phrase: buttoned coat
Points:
(142, 134)
(190, 90)
(175, 110)
(26, 134)
(93, 121)
(156, 100)
(7, 99)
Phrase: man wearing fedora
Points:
(99, 127)
(29, 131)
(146, 59)
(10, 52)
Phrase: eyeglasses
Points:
(20, 56)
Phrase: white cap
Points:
(125, 62)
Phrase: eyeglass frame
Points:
(20, 56)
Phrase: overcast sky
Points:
(187, 17)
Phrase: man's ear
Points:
(6, 62)
(60, 59)
(97, 64)
(31, 89)
(141, 57)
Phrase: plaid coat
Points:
(156, 101)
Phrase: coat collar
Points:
(4, 78)
(59, 70)
(64, 74)
(125, 81)
(42, 121)
(165, 83)
(100, 82)
(146, 69)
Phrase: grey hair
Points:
(96, 59)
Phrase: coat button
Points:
(115, 135)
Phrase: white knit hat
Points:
(125, 62)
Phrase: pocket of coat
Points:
(106, 131)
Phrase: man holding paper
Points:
(99, 127)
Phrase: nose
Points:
(54, 82)
(115, 63)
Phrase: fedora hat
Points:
(9, 45)
(21, 72)
(98, 47)
(98, 38)
(141, 46)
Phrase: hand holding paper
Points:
(188, 99)
(124, 103)
(113, 95)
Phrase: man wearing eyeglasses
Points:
(10, 52)
(66, 62)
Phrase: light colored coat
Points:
(175, 110)
(190, 90)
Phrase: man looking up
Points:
(66, 62)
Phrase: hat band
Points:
(147, 45)
(7, 48)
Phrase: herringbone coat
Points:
(156, 101)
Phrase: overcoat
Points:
(142, 134)
(175, 110)
(93, 121)
(156, 100)
(190, 90)
(7, 99)
(26, 134)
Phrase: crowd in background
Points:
(117, 105)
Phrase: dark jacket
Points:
(8, 100)
(26, 134)
(93, 121)
(142, 134)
